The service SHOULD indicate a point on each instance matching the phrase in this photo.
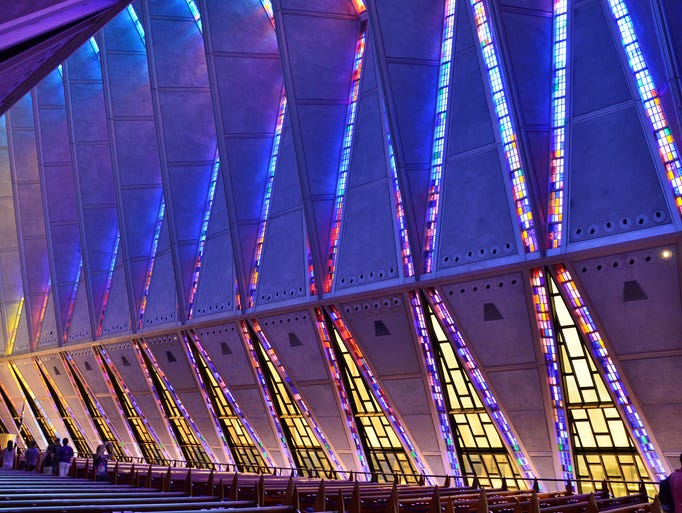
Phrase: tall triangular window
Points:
(309, 455)
(179, 419)
(145, 437)
(480, 448)
(247, 451)
(602, 446)
(385, 454)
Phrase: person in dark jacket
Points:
(99, 462)
(64, 456)
(32, 456)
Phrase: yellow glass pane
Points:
(562, 313)
(493, 438)
(438, 330)
(585, 434)
(579, 413)
(619, 434)
(572, 392)
(575, 347)
(467, 436)
(582, 373)
(590, 396)
(475, 424)
(598, 421)
(603, 392)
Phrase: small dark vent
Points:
(170, 356)
(380, 329)
(125, 361)
(294, 341)
(56, 371)
(224, 348)
(87, 366)
(491, 313)
(632, 291)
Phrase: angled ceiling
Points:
(36, 36)
(235, 173)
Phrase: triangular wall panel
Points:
(89, 368)
(21, 337)
(636, 343)
(117, 317)
(284, 258)
(30, 373)
(185, 126)
(318, 58)
(161, 305)
(613, 184)
(216, 288)
(17, 399)
(408, 49)
(245, 65)
(476, 215)
(368, 247)
(49, 335)
(80, 321)
(55, 368)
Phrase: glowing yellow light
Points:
(14, 328)
(666, 253)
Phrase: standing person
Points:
(99, 463)
(32, 455)
(110, 451)
(64, 456)
(8, 455)
(676, 487)
(50, 457)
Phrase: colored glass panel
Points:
(265, 214)
(99, 418)
(17, 417)
(602, 446)
(144, 434)
(70, 421)
(438, 146)
(434, 382)
(194, 447)
(482, 397)
(265, 389)
(245, 447)
(48, 430)
(136, 22)
(203, 233)
(332, 362)
(152, 260)
(369, 382)
(107, 284)
(386, 455)
(543, 318)
(667, 146)
(72, 301)
(14, 327)
(316, 449)
(512, 155)
(406, 252)
(558, 135)
(41, 314)
(195, 13)
(310, 456)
